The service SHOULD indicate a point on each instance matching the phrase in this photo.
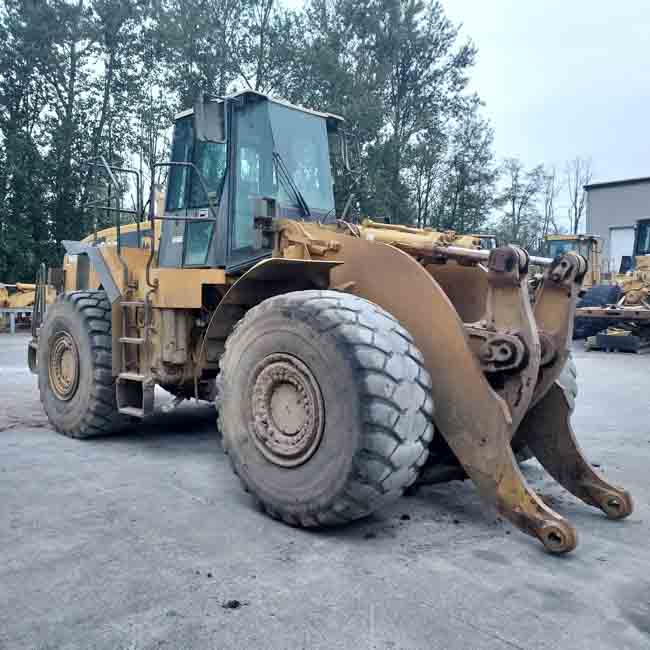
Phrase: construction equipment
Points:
(19, 298)
(349, 360)
(597, 290)
(625, 310)
(589, 246)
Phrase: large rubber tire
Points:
(83, 318)
(376, 403)
(598, 296)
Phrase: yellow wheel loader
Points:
(589, 246)
(348, 361)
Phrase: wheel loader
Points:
(348, 361)
(589, 246)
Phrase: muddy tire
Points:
(75, 368)
(325, 407)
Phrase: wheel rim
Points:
(288, 411)
(63, 366)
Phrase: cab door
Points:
(253, 179)
(189, 241)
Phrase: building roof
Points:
(624, 181)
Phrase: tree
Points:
(24, 226)
(84, 78)
(550, 191)
(520, 220)
(200, 41)
(467, 191)
(421, 70)
(578, 174)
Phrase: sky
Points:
(562, 79)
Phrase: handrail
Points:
(125, 268)
(139, 208)
(40, 300)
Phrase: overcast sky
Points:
(564, 78)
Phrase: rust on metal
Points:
(549, 435)
(555, 303)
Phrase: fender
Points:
(102, 269)
(270, 277)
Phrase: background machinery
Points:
(20, 298)
(597, 290)
(620, 319)
(589, 246)
(349, 361)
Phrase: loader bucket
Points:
(494, 359)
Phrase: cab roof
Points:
(253, 96)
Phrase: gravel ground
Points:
(145, 540)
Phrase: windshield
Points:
(281, 153)
(300, 139)
(561, 246)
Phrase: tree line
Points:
(84, 78)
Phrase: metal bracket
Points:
(496, 351)
(555, 303)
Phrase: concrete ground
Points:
(142, 539)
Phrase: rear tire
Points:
(325, 407)
(75, 377)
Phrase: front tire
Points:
(325, 407)
(74, 366)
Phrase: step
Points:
(132, 340)
(132, 411)
(132, 376)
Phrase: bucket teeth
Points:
(547, 432)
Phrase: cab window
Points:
(184, 188)
(178, 176)
(210, 160)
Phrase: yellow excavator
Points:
(348, 361)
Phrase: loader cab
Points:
(488, 242)
(252, 156)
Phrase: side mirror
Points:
(210, 120)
